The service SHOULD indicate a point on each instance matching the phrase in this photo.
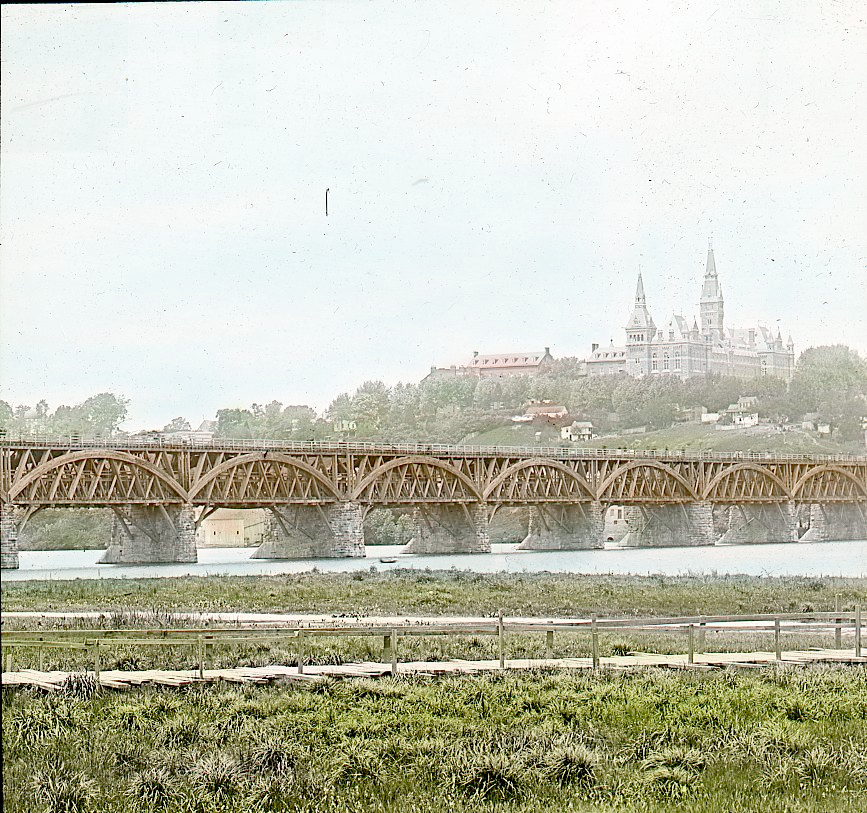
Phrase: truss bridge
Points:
(317, 495)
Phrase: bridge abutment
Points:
(142, 534)
(8, 538)
(761, 524)
(313, 532)
(573, 527)
(450, 529)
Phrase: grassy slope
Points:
(692, 437)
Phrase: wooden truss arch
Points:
(824, 484)
(539, 480)
(97, 477)
(746, 482)
(264, 478)
(646, 481)
(416, 479)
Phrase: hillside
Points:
(691, 437)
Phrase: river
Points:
(796, 559)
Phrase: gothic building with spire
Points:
(705, 346)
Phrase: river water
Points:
(796, 559)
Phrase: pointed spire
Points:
(639, 291)
(711, 263)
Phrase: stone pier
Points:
(148, 535)
(835, 522)
(450, 529)
(8, 537)
(313, 532)
(667, 526)
(761, 524)
(569, 527)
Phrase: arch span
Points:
(265, 457)
(623, 473)
(416, 460)
(505, 475)
(46, 468)
(814, 472)
(738, 467)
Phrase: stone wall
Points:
(662, 526)
(572, 527)
(761, 524)
(8, 537)
(310, 532)
(833, 522)
(147, 535)
(447, 529)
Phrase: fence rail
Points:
(696, 628)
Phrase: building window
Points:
(653, 365)
(677, 359)
(665, 361)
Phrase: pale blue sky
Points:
(498, 172)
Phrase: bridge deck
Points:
(113, 679)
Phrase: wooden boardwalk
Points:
(114, 679)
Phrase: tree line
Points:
(829, 381)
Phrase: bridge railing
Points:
(451, 450)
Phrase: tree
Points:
(234, 423)
(832, 381)
(103, 414)
(177, 425)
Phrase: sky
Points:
(496, 174)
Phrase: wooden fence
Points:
(95, 642)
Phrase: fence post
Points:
(691, 657)
(41, 653)
(201, 653)
(594, 642)
(394, 652)
(777, 650)
(300, 652)
(500, 647)
(549, 643)
(96, 659)
(838, 627)
(701, 634)
(857, 630)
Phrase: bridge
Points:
(317, 494)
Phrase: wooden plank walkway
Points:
(114, 679)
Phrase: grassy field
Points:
(157, 603)
(444, 593)
(773, 741)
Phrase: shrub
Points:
(670, 783)
(152, 788)
(493, 777)
(570, 764)
(63, 791)
(676, 756)
(218, 774)
(80, 685)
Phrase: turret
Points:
(640, 327)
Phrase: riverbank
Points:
(460, 593)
